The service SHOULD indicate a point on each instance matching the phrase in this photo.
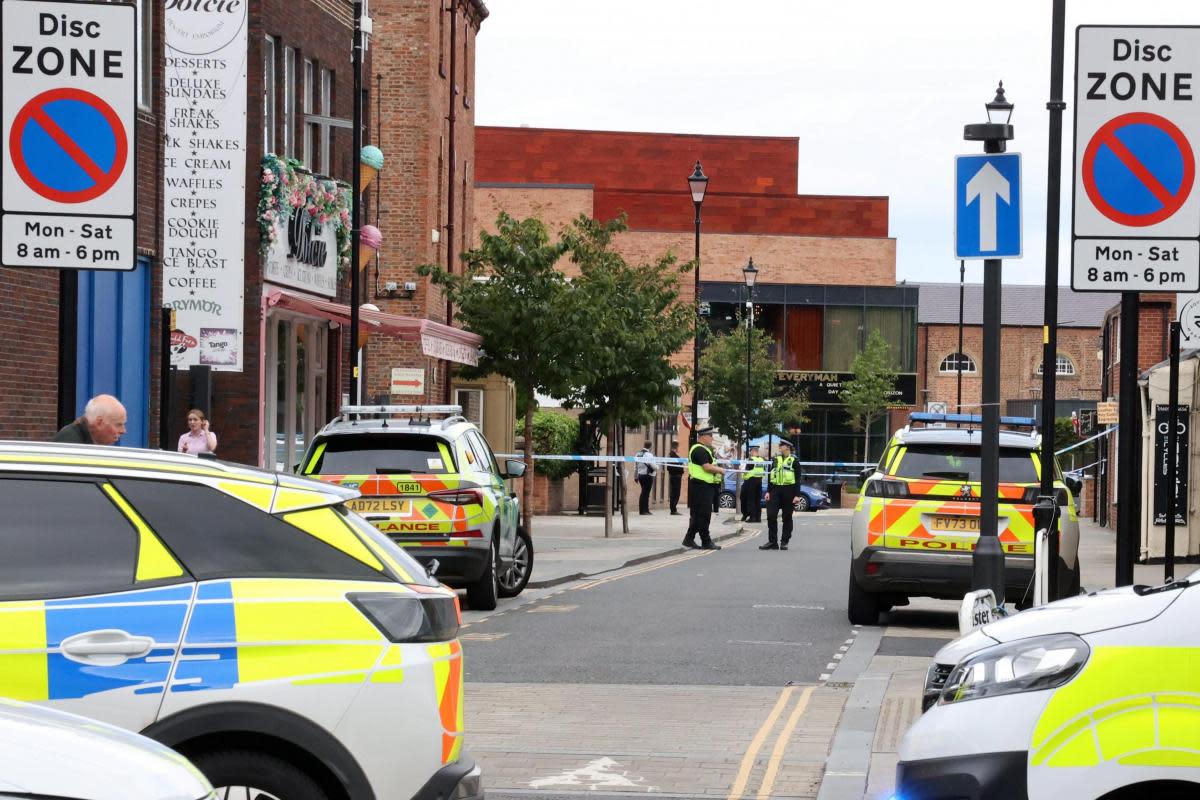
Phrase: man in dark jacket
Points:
(675, 474)
(103, 422)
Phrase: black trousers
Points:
(700, 501)
(647, 484)
(752, 499)
(782, 498)
(676, 487)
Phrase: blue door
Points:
(113, 353)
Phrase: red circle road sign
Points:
(1138, 169)
(68, 127)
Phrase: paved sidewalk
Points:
(569, 546)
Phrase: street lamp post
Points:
(962, 285)
(751, 274)
(698, 185)
(987, 563)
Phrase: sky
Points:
(876, 91)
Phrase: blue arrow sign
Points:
(987, 206)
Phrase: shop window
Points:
(958, 361)
(1063, 365)
(843, 337)
(804, 338)
(297, 352)
(899, 331)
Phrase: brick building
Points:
(1077, 368)
(102, 350)
(827, 267)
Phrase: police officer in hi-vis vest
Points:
(752, 487)
(703, 479)
(781, 495)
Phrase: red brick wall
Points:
(647, 161)
(804, 215)
(411, 48)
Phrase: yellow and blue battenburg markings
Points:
(31, 632)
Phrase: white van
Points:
(1095, 696)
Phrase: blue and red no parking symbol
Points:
(1138, 169)
(68, 145)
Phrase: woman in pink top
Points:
(198, 439)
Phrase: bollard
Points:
(1045, 515)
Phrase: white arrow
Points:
(987, 185)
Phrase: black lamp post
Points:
(751, 274)
(987, 563)
(698, 184)
(356, 174)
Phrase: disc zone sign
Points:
(68, 192)
(1136, 210)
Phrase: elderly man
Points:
(103, 422)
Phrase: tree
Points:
(555, 433)
(723, 383)
(638, 324)
(868, 394)
(511, 294)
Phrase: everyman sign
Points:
(1137, 126)
(69, 102)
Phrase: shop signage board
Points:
(987, 206)
(69, 136)
(825, 388)
(204, 181)
(303, 254)
(1161, 429)
(1107, 413)
(1136, 210)
(407, 381)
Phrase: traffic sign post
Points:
(69, 193)
(1136, 211)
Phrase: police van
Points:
(1094, 696)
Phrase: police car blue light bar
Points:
(977, 419)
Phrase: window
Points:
(312, 130)
(289, 101)
(268, 132)
(843, 337)
(222, 537)
(1063, 365)
(487, 459)
(957, 462)
(956, 361)
(145, 43)
(466, 68)
(62, 538)
(441, 40)
(326, 108)
(379, 454)
(471, 402)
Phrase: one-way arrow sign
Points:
(987, 207)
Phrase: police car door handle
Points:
(106, 648)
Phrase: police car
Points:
(917, 518)
(1094, 696)
(246, 619)
(430, 482)
(52, 754)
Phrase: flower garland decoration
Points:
(286, 188)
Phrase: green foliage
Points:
(636, 323)
(555, 433)
(866, 395)
(723, 383)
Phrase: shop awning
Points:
(437, 340)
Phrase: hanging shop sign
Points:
(1161, 431)
(204, 181)
(304, 227)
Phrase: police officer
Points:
(675, 476)
(752, 487)
(703, 479)
(781, 494)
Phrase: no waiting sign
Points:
(67, 182)
(1136, 211)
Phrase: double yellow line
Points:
(760, 738)
(642, 570)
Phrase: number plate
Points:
(378, 505)
(957, 524)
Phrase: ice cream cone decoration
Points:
(371, 161)
(369, 240)
(364, 327)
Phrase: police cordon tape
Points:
(1104, 432)
(682, 461)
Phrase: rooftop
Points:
(1020, 305)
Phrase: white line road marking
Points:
(825, 676)
(783, 644)
(797, 607)
(481, 637)
(550, 609)
(597, 774)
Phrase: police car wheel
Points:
(482, 595)
(250, 775)
(516, 575)
(862, 607)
